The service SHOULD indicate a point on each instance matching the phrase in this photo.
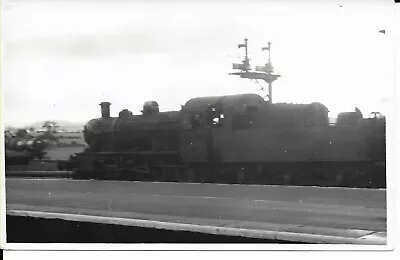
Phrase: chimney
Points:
(105, 109)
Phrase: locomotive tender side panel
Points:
(292, 144)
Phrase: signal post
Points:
(265, 72)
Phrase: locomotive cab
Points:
(221, 129)
(207, 120)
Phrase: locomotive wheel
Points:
(167, 175)
(191, 176)
(205, 177)
(179, 176)
(377, 177)
(287, 179)
(200, 178)
(240, 177)
(80, 175)
(361, 180)
(256, 178)
(182, 175)
(298, 179)
(200, 174)
(349, 181)
(154, 174)
(128, 175)
(158, 174)
(339, 180)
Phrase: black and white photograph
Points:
(198, 125)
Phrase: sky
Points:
(61, 59)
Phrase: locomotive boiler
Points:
(235, 139)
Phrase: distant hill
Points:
(11, 128)
(64, 125)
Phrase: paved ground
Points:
(338, 212)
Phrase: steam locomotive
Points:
(21, 148)
(235, 139)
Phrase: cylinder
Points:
(105, 109)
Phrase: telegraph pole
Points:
(265, 72)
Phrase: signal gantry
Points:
(265, 72)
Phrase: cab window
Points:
(215, 117)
